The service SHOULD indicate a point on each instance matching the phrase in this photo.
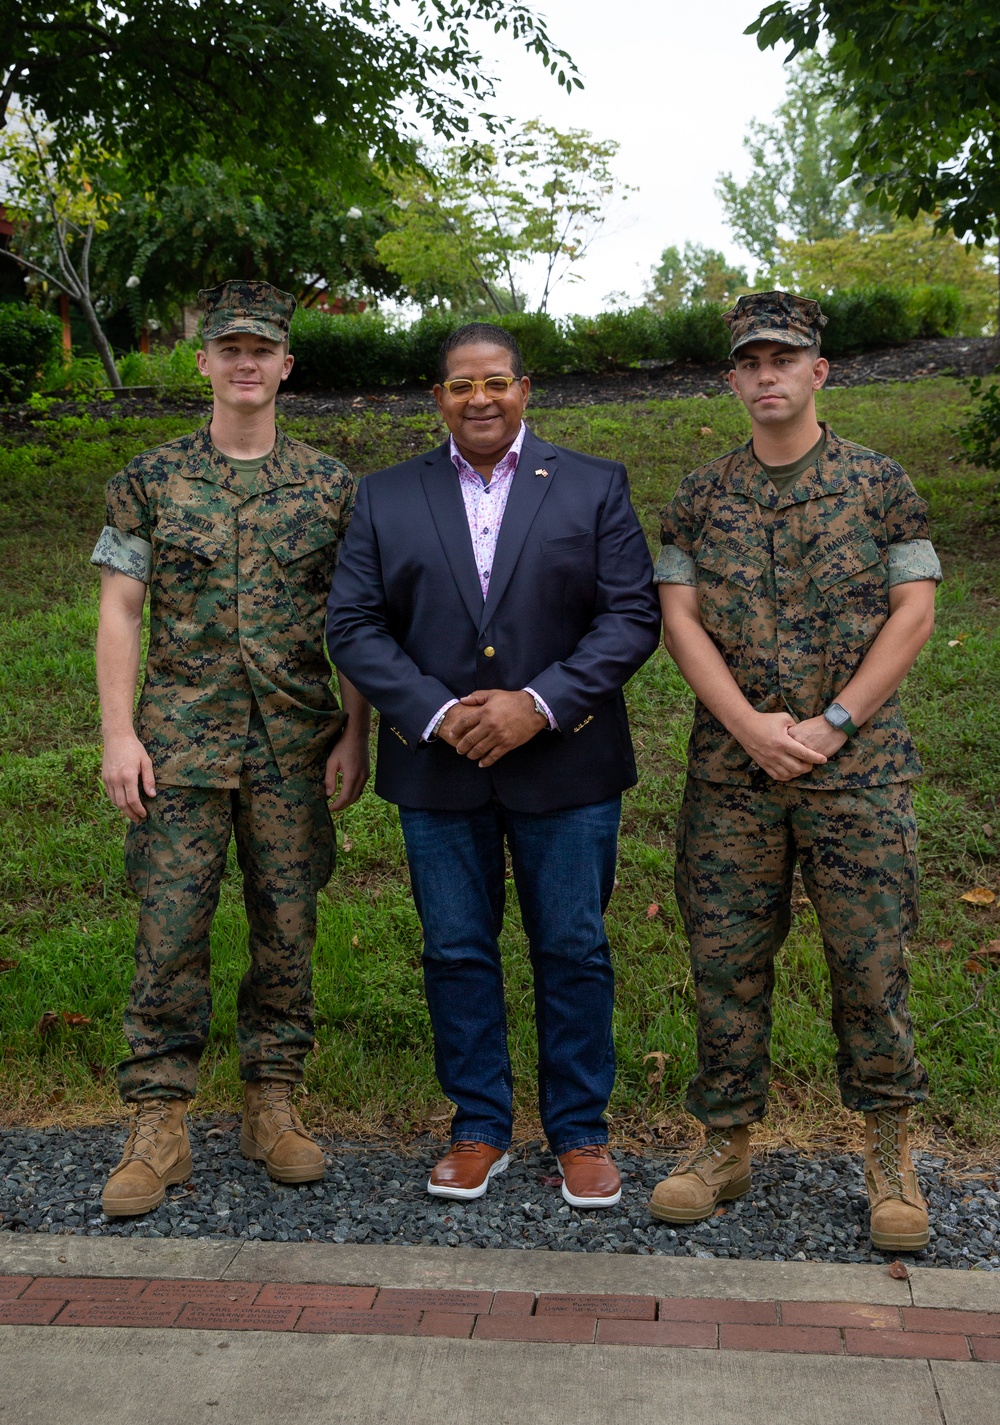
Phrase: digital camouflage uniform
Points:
(238, 716)
(793, 589)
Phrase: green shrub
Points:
(979, 437)
(29, 342)
(422, 344)
(541, 342)
(695, 333)
(172, 371)
(80, 376)
(346, 351)
(611, 339)
(938, 310)
(864, 317)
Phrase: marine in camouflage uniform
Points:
(238, 718)
(792, 568)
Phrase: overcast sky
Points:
(675, 84)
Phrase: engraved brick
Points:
(427, 1299)
(232, 1316)
(658, 1333)
(181, 1290)
(11, 1287)
(960, 1323)
(29, 1313)
(360, 1323)
(626, 1308)
(334, 1298)
(918, 1345)
(85, 1289)
(118, 1313)
(821, 1340)
(513, 1303)
(839, 1313)
(694, 1308)
(446, 1323)
(564, 1327)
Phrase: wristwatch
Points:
(840, 719)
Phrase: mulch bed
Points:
(913, 361)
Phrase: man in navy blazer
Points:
(492, 599)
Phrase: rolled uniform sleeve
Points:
(675, 563)
(125, 542)
(912, 560)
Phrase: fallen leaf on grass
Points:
(51, 1018)
(655, 1076)
(6, 965)
(705, 430)
(652, 911)
(974, 967)
(898, 1272)
(346, 844)
(945, 945)
(955, 642)
(979, 895)
(991, 949)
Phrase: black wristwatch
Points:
(840, 719)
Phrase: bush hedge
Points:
(29, 342)
(366, 350)
(334, 352)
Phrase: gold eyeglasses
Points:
(464, 390)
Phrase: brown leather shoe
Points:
(590, 1178)
(157, 1155)
(273, 1133)
(465, 1170)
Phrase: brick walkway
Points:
(819, 1328)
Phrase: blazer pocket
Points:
(568, 541)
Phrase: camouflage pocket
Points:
(137, 858)
(727, 576)
(307, 555)
(854, 585)
(182, 561)
(909, 881)
(324, 843)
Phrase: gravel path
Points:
(800, 1209)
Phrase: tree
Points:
(698, 274)
(796, 189)
(474, 228)
(57, 209)
(335, 85)
(912, 254)
(213, 221)
(923, 78)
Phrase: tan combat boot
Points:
(157, 1155)
(273, 1134)
(899, 1214)
(716, 1172)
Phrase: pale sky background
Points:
(675, 84)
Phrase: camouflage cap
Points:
(775, 316)
(254, 307)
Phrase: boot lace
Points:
(277, 1099)
(716, 1140)
(592, 1150)
(148, 1122)
(887, 1150)
(465, 1145)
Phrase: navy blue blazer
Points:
(571, 611)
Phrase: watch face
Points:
(836, 716)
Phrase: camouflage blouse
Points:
(793, 589)
(239, 570)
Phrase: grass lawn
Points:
(67, 923)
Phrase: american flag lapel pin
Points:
(541, 471)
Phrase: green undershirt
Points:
(783, 477)
(247, 467)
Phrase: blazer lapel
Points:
(527, 492)
(440, 482)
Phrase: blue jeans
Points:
(564, 871)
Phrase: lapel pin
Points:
(541, 471)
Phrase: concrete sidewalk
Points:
(76, 1375)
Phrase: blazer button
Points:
(489, 651)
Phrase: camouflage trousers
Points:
(736, 854)
(175, 861)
